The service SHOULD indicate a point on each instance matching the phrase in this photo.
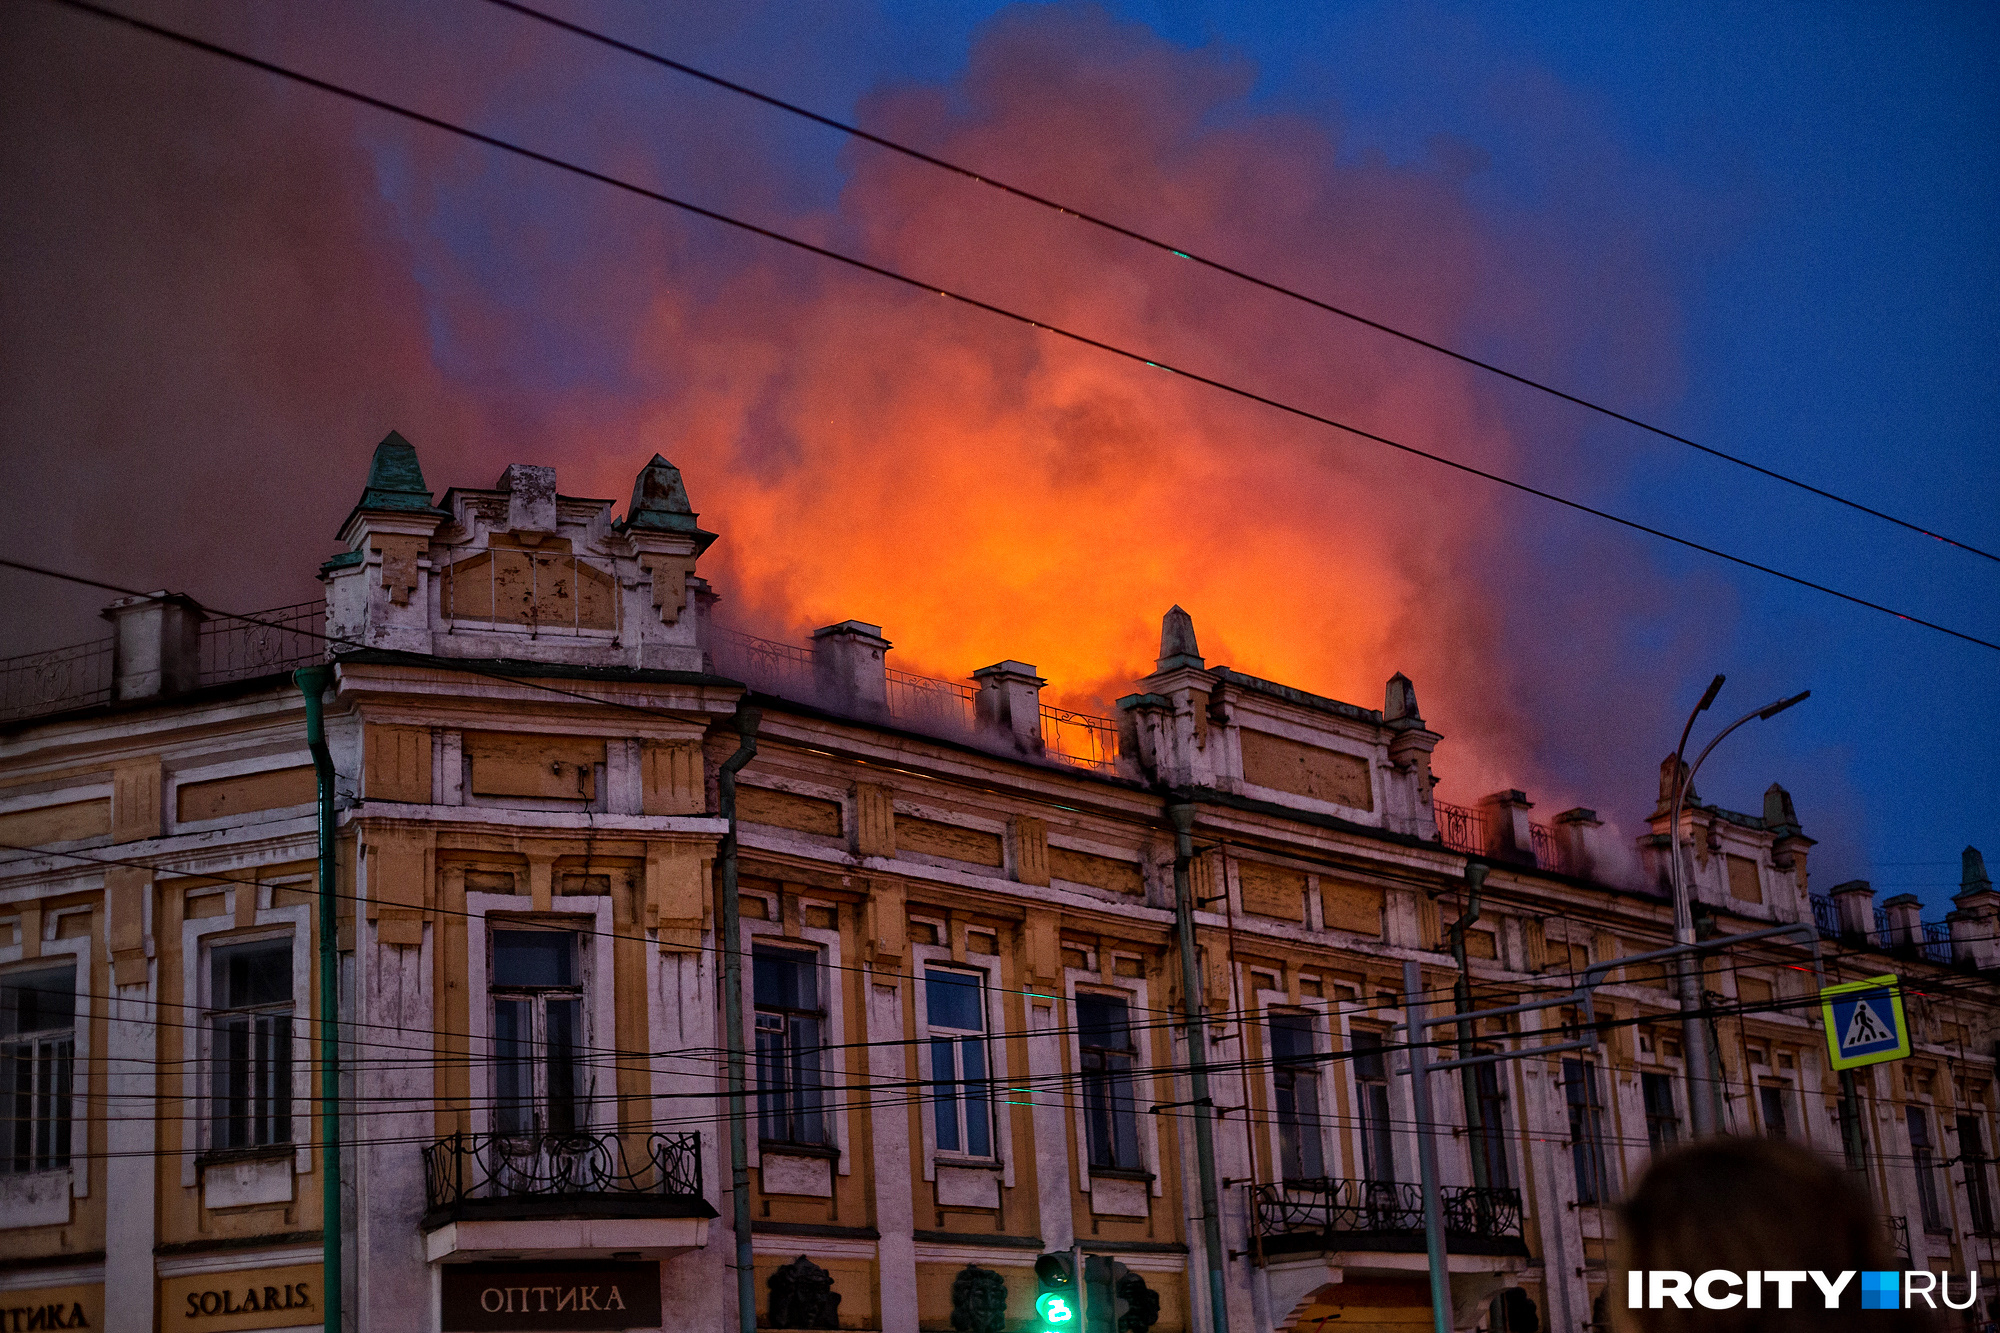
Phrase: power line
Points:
(1182, 252)
(1028, 321)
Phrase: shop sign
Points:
(242, 1299)
(549, 1297)
(52, 1307)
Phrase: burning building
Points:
(1008, 979)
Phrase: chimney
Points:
(1905, 915)
(1508, 837)
(155, 645)
(1854, 906)
(1010, 700)
(1975, 926)
(850, 667)
(1578, 842)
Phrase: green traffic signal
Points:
(1054, 1309)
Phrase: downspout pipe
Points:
(1182, 815)
(313, 682)
(1461, 994)
(747, 720)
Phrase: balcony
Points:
(1359, 1215)
(564, 1195)
(1899, 1236)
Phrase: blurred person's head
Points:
(1740, 1204)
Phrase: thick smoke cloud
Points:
(220, 292)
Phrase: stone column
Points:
(891, 1145)
(131, 1085)
(389, 1274)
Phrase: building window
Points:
(1923, 1157)
(1295, 1070)
(1978, 1196)
(250, 1051)
(1371, 1082)
(37, 1066)
(1490, 1144)
(1110, 1122)
(1663, 1118)
(791, 1027)
(1771, 1104)
(1586, 1132)
(538, 1082)
(962, 1106)
(1854, 1137)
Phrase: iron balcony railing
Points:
(1899, 1235)
(1369, 1214)
(611, 1173)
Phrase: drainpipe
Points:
(732, 1025)
(313, 682)
(1182, 816)
(1461, 994)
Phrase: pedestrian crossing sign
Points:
(1864, 1022)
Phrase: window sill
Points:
(776, 1148)
(968, 1163)
(1121, 1173)
(263, 1152)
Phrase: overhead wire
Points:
(991, 308)
(1181, 250)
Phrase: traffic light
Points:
(1056, 1300)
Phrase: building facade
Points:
(962, 983)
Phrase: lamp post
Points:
(1694, 1032)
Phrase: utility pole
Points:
(1700, 1057)
(1204, 1107)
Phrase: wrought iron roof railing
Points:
(56, 680)
(1463, 829)
(1351, 1214)
(1076, 738)
(656, 1174)
(279, 639)
(930, 704)
(1460, 828)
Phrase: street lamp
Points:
(1694, 1033)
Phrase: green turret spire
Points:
(660, 504)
